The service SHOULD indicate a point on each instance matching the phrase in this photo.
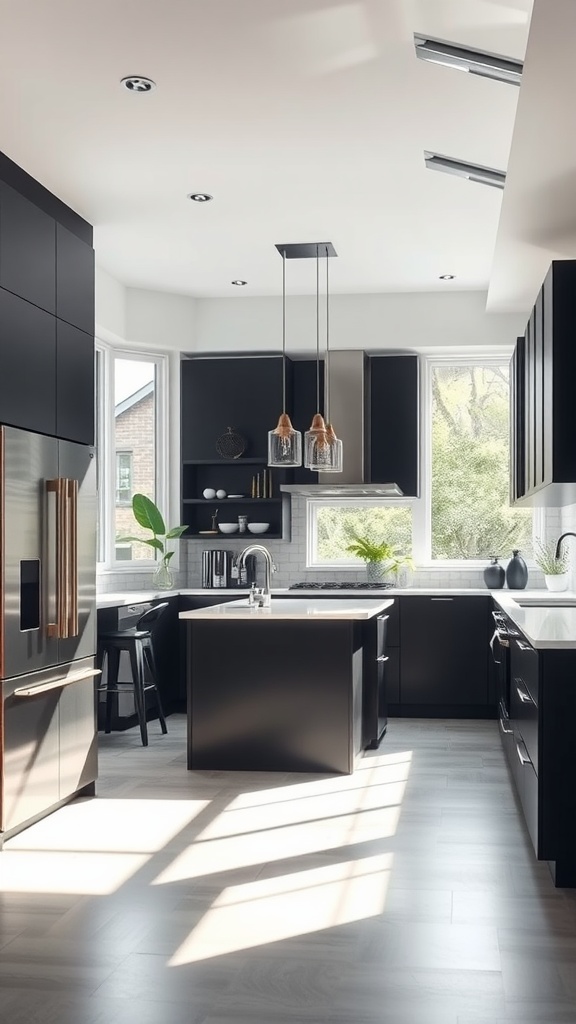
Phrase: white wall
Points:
(423, 321)
(110, 307)
(426, 321)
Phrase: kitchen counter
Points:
(546, 628)
(286, 696)
(294, 608)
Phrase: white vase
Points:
(558, 582)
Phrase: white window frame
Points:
(350, 564)
(422, 506)
(107, 452)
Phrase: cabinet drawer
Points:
(524, 714)
(525, 666)
(381, 631)
(527, 783)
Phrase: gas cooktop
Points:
(339, 585)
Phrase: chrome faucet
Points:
(560, 539)
(260, 597)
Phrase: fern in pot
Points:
(555, 569)
(382, 559)
(148, 515)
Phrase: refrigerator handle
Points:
(58, 487)
(72, 627)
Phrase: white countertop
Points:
(546, 628)
(119, 599)
(293, 608)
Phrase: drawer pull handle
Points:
(524, 696)
(383, 657)
(525, 647)
(522, 754)
(505, 730)
(55, 684)
(441, 598)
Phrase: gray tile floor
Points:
(407, 893)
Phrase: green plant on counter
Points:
(378, 551)
(545, 558)
(148, 515)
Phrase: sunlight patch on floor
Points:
(109, 826)
(314, 816)
(90, 874)
(299, 903)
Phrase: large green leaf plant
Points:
(148, 515)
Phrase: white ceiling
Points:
(305, 119)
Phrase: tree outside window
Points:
(471, 517)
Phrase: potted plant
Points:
(147, 514)
(382, 559)
(555, 569)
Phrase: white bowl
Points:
(228, 527)
(258, 527)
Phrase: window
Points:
(123, 478)
(332, 527)
(131, 450)
(463, 516)
(470, 513)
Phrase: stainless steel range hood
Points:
(348, 393)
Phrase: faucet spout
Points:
(269, 568)
(560, 539)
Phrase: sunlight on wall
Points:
(299, 903)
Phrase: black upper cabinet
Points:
(74, 384)
(543, 411)
(74, 280)
(392, 442)
(27, 365)
(444, 651)
(243, 393)
(27, 250)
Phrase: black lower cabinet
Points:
(191, 604)
(539, 746)
(444, 657)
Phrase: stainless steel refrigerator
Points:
(48, 739)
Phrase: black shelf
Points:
(248, 538)
(231, 501)
(225, 462)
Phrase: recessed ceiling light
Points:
(475, 62)
(239, 282)
(447, 277)
(137, 83)
(200, 197)
(474, 172)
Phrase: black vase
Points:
(516, 572)
(494, 575)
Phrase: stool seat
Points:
(137, 642)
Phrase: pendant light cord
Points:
(317, 330)
(283, 330)
(327, 374)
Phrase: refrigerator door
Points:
(77, 587)
(27, 552)
(50, 740)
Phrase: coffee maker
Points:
(220, 569)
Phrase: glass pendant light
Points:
(284, 443)
(317, 449)
(336, 461)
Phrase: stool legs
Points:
(137, 666)
(113, 657)
(148, 652)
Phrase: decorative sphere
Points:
(209, 492)
(220, 494)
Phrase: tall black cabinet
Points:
(46, 311)
(543, 411)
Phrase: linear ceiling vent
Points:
(474, 172)
(475, 62)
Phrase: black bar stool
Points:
(138, 643)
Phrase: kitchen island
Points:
(279, 688)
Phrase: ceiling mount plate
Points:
(306, 250)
